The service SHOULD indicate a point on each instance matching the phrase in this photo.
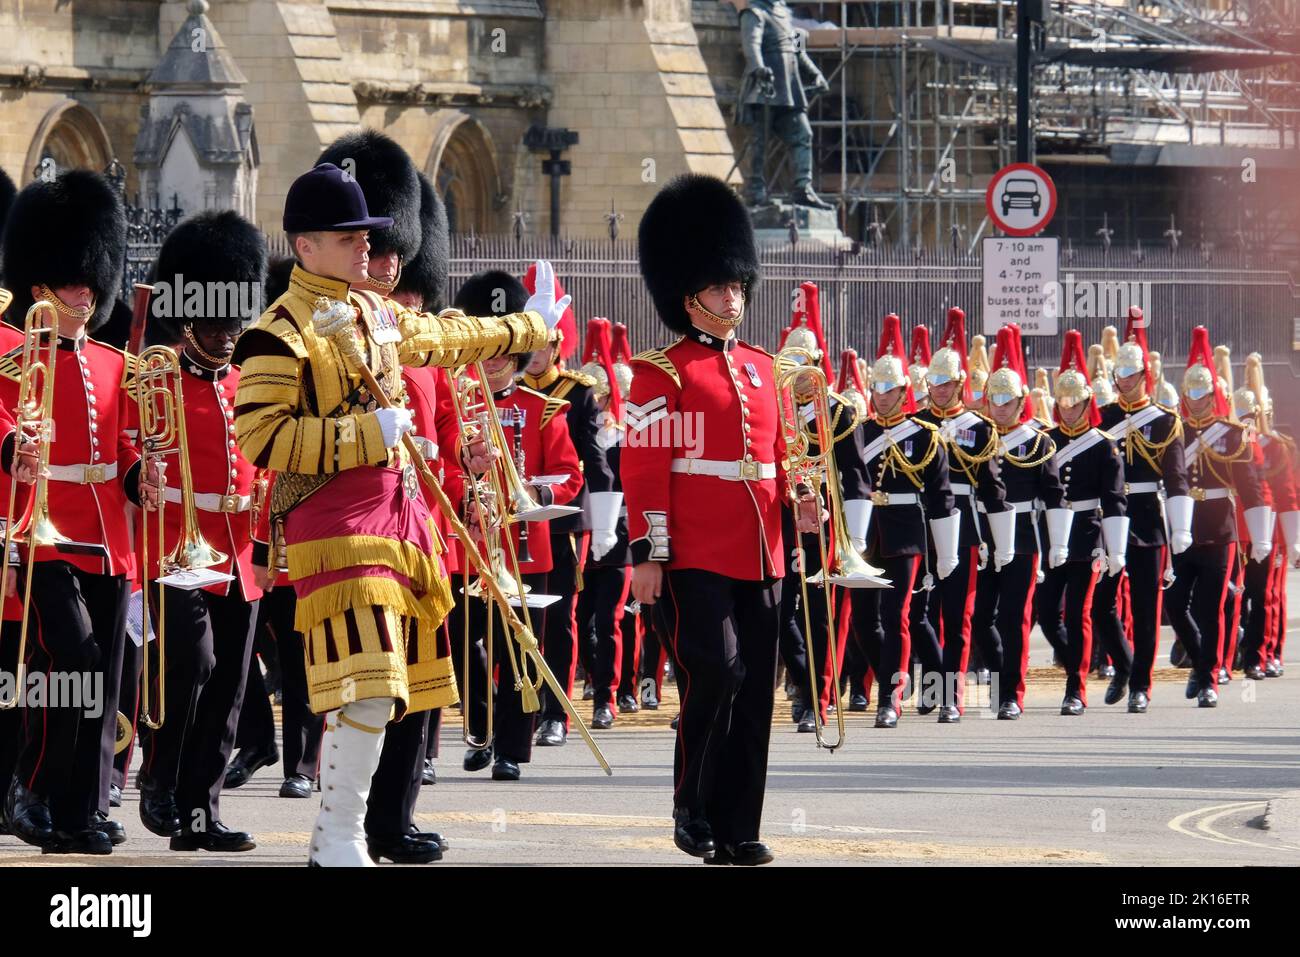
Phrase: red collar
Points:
(1141, 403)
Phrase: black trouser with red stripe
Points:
(1254, 609)
(882, 624)
(1072, 584)
(1145, 568)
(600, 606)
(208, 645)
(79, 626)
(1015, 584)
(957, 598)
(1196, 601)
(512, 726)
(724, 637)
(630, 636)
(128, 703)
(1106, 624)
(559, 634)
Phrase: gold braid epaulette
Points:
(897, 462)
(1149, 450)
(1024, 461)
(660, 361)
(1212, 457)
(969, 462)
(553, 408)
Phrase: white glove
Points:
(1114, 532)
(1290, 522)
(1059, 522)
(946, 533)
(857, 517)
(1003, 526)
(543, 301)
(1179, 512)
(394, 423)
(1259, 521)
(604, 508)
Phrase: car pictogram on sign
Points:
(1021, 199)
(1021, 194)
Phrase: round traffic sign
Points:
(1021, 199)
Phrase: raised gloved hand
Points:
(543, 301)
(393, 424)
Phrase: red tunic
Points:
(90, 413)
(696, 399)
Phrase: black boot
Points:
(28, 815)
(692, 834)
(804, 196)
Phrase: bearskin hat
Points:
(214, 249)
(7, 193)
(388, 179)
(277, 277)
(68, 231)
(695, 233)
(426, 272)
(493, 292)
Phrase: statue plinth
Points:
(772, 225)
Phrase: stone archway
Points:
(462, 165)
(72, 136)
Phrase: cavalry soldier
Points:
(971, 443)
(393, 190)
(536, 432)
(64, 244)
(1027, 457)
(370, 592)
(570, 535)
(907, 473)
(706, 528)
(1220, 469)
(1159, 511)
(185, 760)
(1264, 595)
(1093, 478)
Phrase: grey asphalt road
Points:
(1175, 787)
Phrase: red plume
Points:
(850, 374)
(954, 337)
(1009, 352)
(597, 348)
(891, 343)
(920, 345)
(621, 349)
(810, 315)
(568, 323)
(1072, 357)
(1135, 330)
(1203, 353)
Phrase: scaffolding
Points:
(922, 107)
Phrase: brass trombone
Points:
(797, 374)
(336, 322)
(34, 418)
(160, 403)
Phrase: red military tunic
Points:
(711, 400)
(91, 455)
(222, 477)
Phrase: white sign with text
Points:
(1019, 277)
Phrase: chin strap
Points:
(729, 323)
(61, 307)
(216, 361)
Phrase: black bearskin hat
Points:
(226, 256)
(277, 277)
(68, 231)
(7, 192)
(695, 233)
(387, 177)
(426, 273)
(493, 292)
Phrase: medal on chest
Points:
(751, 370)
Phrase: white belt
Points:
(895, 498)
(84, 474)
(1142, 488)
(211, 501)
(1021, 507)
(1210, 494)
(1084, 505)
(961, 488)
(732, 471)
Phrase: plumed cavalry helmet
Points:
(851, 383)
(68, 231)
(948, 363)
(621, 353)
(919, 358)
(596, 356)
(226, 256)
(695, 233)
(890, 368)
(1007, 381)
(978, 366)
(1072, 385)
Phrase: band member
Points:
(185, 760)
(393, 190)
(536, 432)
(919, 364)
(571, 535)
(971, 442)
(607, 578)
(1264, 590)
(1220, 468)
(706, 528)
(1159, 510)
(1027, 457)
(370, 592)
(1093, 478)
(64, 244)
(907, 468)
